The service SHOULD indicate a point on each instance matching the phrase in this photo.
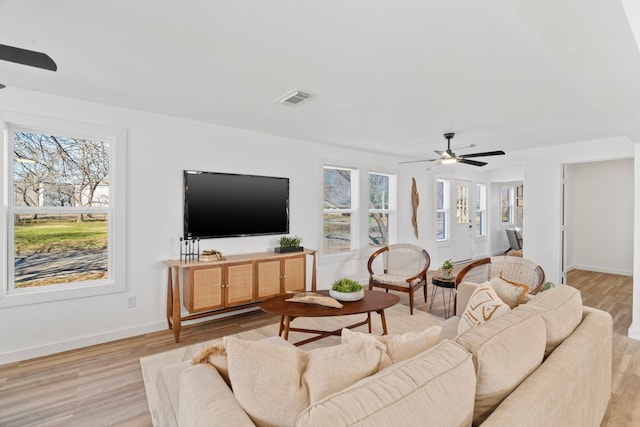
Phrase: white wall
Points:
(159, 149)
(599, 216)
(543, 194)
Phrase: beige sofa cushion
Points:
(484, 305)
(434, 388)
(397, 347)
(505, 350)
(274, 383)
(561, 309)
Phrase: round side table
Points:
(442, 283)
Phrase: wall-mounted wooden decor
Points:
(415, 197)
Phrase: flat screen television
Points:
(230, 205)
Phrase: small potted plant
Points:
(447, 269)
(346, 290)
(289, 244)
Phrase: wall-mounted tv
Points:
(229, 205)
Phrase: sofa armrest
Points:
(571, 387)
(206, 400)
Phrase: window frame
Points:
(117, 139)
(445, 210)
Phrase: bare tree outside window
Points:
(379, 209)
(61, 196)
(337, 209)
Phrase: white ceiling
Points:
(386, 76)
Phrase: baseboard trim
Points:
(86, 341)
(634, 332)
(597, 269)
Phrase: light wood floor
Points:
(102, 385)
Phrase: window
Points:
(507, 204)
(339, 210)
(63, 222)
(462, 204)
(380, 207)
(481, 210)
(442, 209)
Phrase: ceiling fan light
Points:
(449, 160)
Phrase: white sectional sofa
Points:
(538, 365)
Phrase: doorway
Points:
(463, 224)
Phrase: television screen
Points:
(227, 205)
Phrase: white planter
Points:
(347, 296)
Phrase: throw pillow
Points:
(215, 355)
(513, 293)
(484, 305)
(396, 347)
(274, 384)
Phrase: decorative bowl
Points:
(347, 296)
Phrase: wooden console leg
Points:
(176, 304)
(169, 300)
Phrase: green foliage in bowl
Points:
(289, 241)
(346, 285)
(447, 265)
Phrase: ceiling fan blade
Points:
(27, 57)
(485, 154)
(2, 86)
(418, 161)
(471, 162)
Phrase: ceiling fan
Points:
(26, 57)
(449, 157)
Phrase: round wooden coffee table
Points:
(373, 301)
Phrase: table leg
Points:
(287, 320)
(176, 304)
(281, 326)
(369, 321)
(384, 322)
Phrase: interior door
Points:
(462, 237)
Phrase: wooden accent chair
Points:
(520, 270)
(404, 269)
(515, 241)
(516, 269)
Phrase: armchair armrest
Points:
(373, 257)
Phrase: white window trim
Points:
(117, 197)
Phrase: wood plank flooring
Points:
(102, 385)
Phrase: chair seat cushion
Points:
(393, 279)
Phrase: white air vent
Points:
(293, 98)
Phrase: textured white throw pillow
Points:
(273, 383)
(484, 305)
(396, 347)
(510, 292)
